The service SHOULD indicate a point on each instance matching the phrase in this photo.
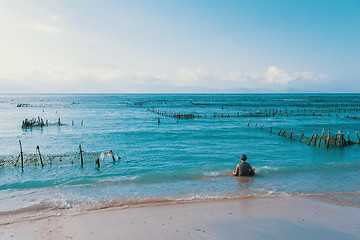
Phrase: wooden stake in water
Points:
(339, 136)
(81, 156)
(358, 137)
(22, 156)
(328, 140)
(113, 157)
(97, 162)
(41, 161)
(311, 138)
(335, 139)
(315, 140)
(302, 135)
(248, 123)
(322, 135)
(320, 139)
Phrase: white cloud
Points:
(276, 75)
(239, 77)
(234, 76)
(188, 76)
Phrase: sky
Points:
(179, 46)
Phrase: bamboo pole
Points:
(358, 137)
(248, 123)
(315, 140)
(284, 132)
(322, 135)
(22, 156)
(41, 161)
(271, 131)
(262, 126)
(256, 124)
(291, 133)
(302, 135)
(328, 140)
(339, 136)
(311, 138)
(97, 162)
(81, 156)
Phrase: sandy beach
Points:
(248, 218)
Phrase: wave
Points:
(267, 168)
(213, 174)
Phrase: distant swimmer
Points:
(244, 168)
(109, 153)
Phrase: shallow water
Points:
(178, 158)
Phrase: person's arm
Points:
(252, 170)
(236, 172)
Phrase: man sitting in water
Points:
(244, 168)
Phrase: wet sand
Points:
(249, 218)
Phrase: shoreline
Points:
(280, 217)
(46, 210)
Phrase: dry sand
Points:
(250, 218)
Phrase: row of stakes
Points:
(97, 161)
(339, 137)
(39, 122)
(259, 113)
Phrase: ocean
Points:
(173, 147)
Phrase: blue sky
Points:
(59, 46)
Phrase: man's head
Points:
(243, 157)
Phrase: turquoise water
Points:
(178, 159)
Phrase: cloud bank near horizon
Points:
(100, 77)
